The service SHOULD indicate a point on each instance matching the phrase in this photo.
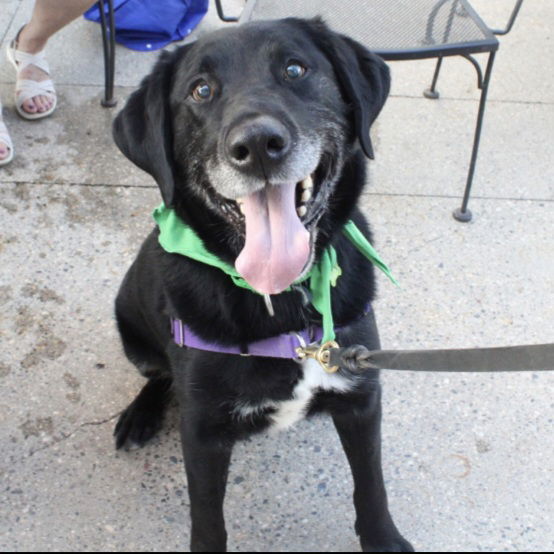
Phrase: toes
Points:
(45, 103)
(137, 426)
(144, 416)
(397, 544)
(37, 104)
(4, 151)
(383, 538)
(29, 106)
(40, 103)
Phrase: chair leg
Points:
(431, 93)
(463, 214)
(108, 40)
(222, 15)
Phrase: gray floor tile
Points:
(7, 12)
(74, 145)
(424, 147)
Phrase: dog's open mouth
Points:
(279, 223)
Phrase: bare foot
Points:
(5, 149)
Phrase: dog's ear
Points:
(143, 129)
(367, 85)
(363, 76)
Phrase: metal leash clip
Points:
(321, 354)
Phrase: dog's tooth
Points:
(307, 183)
(306, 195)
(241, 206)
(301, 211)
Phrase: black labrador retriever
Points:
(256, 136)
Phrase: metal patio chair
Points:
(404, 30)
(394, 29)
(108, 40)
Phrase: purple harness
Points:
(279, 346)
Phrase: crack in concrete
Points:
(65, 436)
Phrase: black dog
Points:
(255, 137)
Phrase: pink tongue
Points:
(277, 245)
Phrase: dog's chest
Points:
(285, 413)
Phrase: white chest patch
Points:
(288, 412)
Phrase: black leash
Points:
(357, 358)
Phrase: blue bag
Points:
(151, 24)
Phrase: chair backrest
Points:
(511, 21)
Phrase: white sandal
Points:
(6, 139)
(27, 88)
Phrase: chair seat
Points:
(394, 29)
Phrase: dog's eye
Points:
(202, 92)
(294, 70)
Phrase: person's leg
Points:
(49, 16)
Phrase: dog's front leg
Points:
(207, 464)
(360, 435)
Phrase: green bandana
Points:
(177, 237)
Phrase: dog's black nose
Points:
(258, 144)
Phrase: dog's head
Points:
(251, 133)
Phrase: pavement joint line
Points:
(74, 184)
(367, 193)
(405, 96)
(82, 85)
(455, 196)
(65, 436)
(489, 100)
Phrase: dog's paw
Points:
(393, 544)
(137, 425)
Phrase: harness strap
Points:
(285, 345)
(280, 346)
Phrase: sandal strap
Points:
(24, 59)
(29, 89)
